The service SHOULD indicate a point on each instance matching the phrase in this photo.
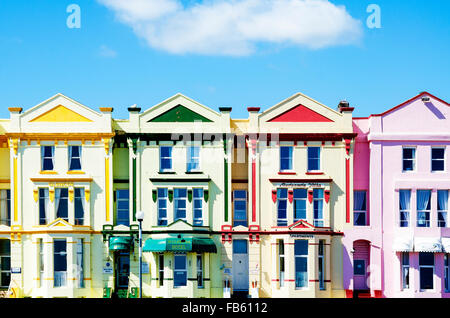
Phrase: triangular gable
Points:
(179, 225)
(179, 114)
(301, 224)
(59, 224)
(300, 114)
(60, 113)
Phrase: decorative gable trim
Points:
(60, 113)
(180, 114)
(300, 114)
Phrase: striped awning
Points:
(427, 244)
(403, 244)
(446, 244)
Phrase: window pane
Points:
(426, 278)
(239, 246)
(437, 165)
(359, 267)
(426, 259)
(437, 153)
(301, 247)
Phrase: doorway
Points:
(361, 261)
(240, 266)
(122, 273)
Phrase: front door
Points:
(122, 272)
(361, 258)
(240, 265)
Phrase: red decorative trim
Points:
(347, 189)
(333, 143)
(347, 146)
(327, 196)
(274, 196)
(310, 196)
(323, 142)
(348, 293)
(314, 173)
(291, 195)
(284, 233)
(287, 173)
(304, 137)
(275, 180)
(253, 143)
(305, 143)
(299, 114)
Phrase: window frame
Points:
(414, 159)
(5, 206)
(281, 261)
(44, 157)
(81, 199)
(425, 267)
(61, 253)
(161, 158)
(177, 209)
(319, 222)
(319, 158)
(296, 201)
(442, 212)
(190, 159)
(282, 221)
(80, 250)
(438, 159)
(245, 200)
(3, 256)
(405, 276)
(357, 213)
(57, 215)
(298, 257)
(321, 264)
(405, 212)
(426, 212)
(72, 157)
(200, 271)
(197, 221)
(118, 199)
(290, 158)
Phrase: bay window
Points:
(318, 207)
(300, 197)
(200, 271)
(60, 262)
(282, 207)
(180, 204)
(321, 264)
(44, 203)
(301, 263)
(62, 203)
(79, 206)
(198, 206)
(162, 206)
(405, 207)
(281, 262)
(442, 207)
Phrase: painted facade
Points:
(402, 167)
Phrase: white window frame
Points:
(72, 157)
(321, 221)
(175, 199)
(359, 212)
(428, 224)
(414, 159)
(165, 219)
(281, 260)
(43, 157)
(198, 221)
(295, 261)
(235, 199)
(41, 263)
(200, 271)
(161, 158)
(405, 286)
(65, 198)
(446, 274)
(193, 159)
(296, 199)
(291, 158)
(443, 159)
(161, 269)
(321, 261)
(319, 159)
(80, 262)
(285, 221)
(405, 211)
(117, 206)
(62, 273)
(5, 207)
(445, 212)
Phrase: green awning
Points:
(183, 244)
(120, 243)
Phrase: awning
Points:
(446, 244)
(403, 244)
(120, 243)
(427, 244)
(180, 244)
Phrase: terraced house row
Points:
(299, 200)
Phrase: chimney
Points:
(134, 117)
(225, 111)
(107, 115)
(253, 118)
(344, 106)
(15, 120)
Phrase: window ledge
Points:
(48, 172)
(75, 172)
(194, 172)
(287, 173)
(166, 172)
(314, 173)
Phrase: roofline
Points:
(403, 104)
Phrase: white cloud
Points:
(105, 51)
(236, 27)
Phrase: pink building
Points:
(400, 242)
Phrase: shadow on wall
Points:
(348, 268)
(435, 110)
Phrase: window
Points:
(405, 270)
(80, 263)
(446, 274)
(321, 264)
(240, 207)
(359, 267)
(180, 204)
(282, 207)
(162, 206)
(426, 270)
(198, 206)
(318, 207)
(60, 262)
(165, 158)
(360, 208)
(44, 203)
(409, 159)
(442, 207)
(5, 207)
(5, 263)
(123, 207)
(193, 158)
(437, 159)
(423, 208)
(300, 196)
(199, 271)
(281, 261)
(62, 203)
(405, 207)
(301, 263)
(74, 158)
(79, 206)
(313, 158)
(47, 159)
(286, 158)
(41, 261)
(161, 269)
(180, 270)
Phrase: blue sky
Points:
(108, 63)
